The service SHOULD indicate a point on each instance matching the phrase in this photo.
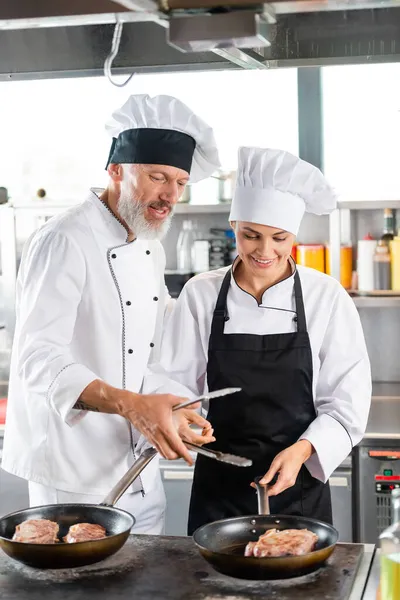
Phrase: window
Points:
(53, 136)
(361, 107)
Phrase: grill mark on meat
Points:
(84, 532)
(289, 542)
(37, 531)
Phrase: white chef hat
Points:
(275, 188)
(164, 131)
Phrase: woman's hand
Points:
(185, 417)
(288, 464)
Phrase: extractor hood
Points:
(48, 38)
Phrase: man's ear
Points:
(115, 171)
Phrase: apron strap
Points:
(221, 311)
(298, 295)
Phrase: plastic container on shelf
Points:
(184, 248)
(365, 263)
(201, 256)
(311, 255)
(346, 264)
(382, 267)
(395, 263)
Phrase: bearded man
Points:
(91, 301)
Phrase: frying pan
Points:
(222, 544)
(117, 523)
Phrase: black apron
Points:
(273, 410)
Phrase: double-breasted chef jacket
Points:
(90, 306)
(341, 381)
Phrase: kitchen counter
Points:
(384, 416)
(385, 390)
(170, 568)
(373, 579)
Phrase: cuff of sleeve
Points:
(332, 446)
(66, 389)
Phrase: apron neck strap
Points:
(221, 310)
(298, 296)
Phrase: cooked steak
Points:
(289, 542)
(37, 531)
(84, 532)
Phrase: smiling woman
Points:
(289, 336)
(264, 256)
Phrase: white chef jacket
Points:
(89, 306)
(341, 370)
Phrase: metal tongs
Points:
(209, 396)
(231, 459)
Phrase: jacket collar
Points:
(112, 226)
(278, 295)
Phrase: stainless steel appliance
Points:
(177, 478)
(341, 491)
(13, 490)
(376, 474)
(377, 467)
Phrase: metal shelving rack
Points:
(340, 228)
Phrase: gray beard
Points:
(133, 213)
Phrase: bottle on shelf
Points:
(365, 263)
(184, 248)
(3, 195)
(395, 262)
(382, 267)
(388, 226)
(201, 256)
(390, 554)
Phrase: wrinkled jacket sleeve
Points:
(343, 391)
(49, 290)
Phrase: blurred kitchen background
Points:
(344, 119)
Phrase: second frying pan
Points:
(222, 544)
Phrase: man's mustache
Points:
(160, 204)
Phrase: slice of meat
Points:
(84, 532)
(37, 531)
(289, 542)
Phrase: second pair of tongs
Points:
(230, 459)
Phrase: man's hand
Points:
(150, 414)
(288, 464)
(185, 417)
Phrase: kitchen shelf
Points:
(182, 208)
(385, 390)
(368, 204)
(376, 301)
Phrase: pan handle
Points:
(120, 488)
(262, 496)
